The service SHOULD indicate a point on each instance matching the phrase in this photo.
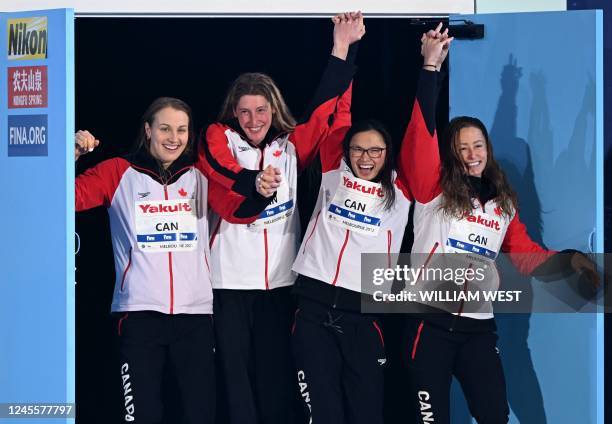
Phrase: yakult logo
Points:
(354, 185)
(160, 208)
(489, 223)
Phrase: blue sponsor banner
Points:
(187, 236)
(277, 209)
(370, 220)
(27, 135)
(472, 248)
(37, 161)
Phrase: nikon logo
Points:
(27, 38)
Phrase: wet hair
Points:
(257, 84)
(458, 194)
(385, 175)
(143, 142)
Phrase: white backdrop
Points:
(246, 7)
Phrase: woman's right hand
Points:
(84, 142)
(268, 180)
(348, 28)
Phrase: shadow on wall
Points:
(517, 159)
(514, 155)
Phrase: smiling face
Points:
(254, 114)
(168, 135)
(471, 147)
(367, 152)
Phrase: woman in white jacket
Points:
(251, 264)
(157, 201)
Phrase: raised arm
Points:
(314, 127)
(419, 159)
(215, 160)
(331, 147)
(532, 259)
(96, 186)
(84, 142)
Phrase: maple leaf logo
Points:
(498, 211)
(277, 153)
(182, 192)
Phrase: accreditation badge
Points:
(357, 205)
(478, 233)
(279, 210)
(166, 225)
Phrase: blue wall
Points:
(536, 81)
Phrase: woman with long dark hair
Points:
(251, 264)
(362, 208)
(162, 302)
(466, 210)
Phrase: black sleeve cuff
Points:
(253, 206)
(245, 183)
(352, 53)
(556, 267)
(427, 96)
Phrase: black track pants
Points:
(340, 358)
(435, 354)
(253, 329)
(147, 342)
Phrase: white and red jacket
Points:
(330, 253)
(431, 226)
(171, 282)
(258, 256)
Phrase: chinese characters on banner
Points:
(28, 39)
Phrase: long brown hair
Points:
(255, 83)
(457, 198)
(143, 142)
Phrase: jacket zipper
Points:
(340, 258)
(126, 268)
(380, 334)
(460, 311)
(265, 232)
(170, 265)
(431, 252)
(312, 232)
(415, 344)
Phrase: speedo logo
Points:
(27, 38)
(243, 148)
(161, 208)
(489, 223)
(354, 185)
